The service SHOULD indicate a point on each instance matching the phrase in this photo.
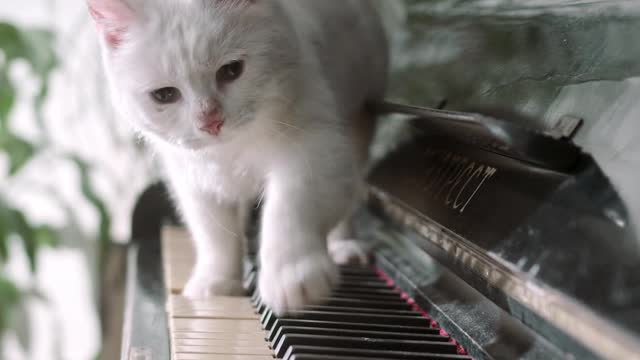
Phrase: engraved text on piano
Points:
(455, 179)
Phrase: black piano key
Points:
(379, 296)
(350, 284)
(328, 357)
(391, 296)
(346, 317)
(390, 335)
(360, 275)
(349, 326)
(361, 310)
(364, 318)
(353, 302)
(397, 304)
(251, 281)
(363, 343)
(360, 278)
(261, 308)
(363, 292)
(267, 317)
(255, 298)
(357, 271)
(334, 357)
(370, 280)
(297, 352)
(369, 291)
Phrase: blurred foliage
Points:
(9, 299)
(104, 220)
(35, 47)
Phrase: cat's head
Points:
(193, 73)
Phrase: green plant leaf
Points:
(22, 228)
(104, 236)
(19, 321)
(45, 236)
(4, 238)
(10, 42)
(5, 231)
(40, 54)
(39, 51)
(7, 98)
(34, 46)
(13, 221)
(38, 103)
(18, 150)
(10, 296)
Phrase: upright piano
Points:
(492, 237)
(490, 241)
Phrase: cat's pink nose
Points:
(212, 123)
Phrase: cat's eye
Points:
(166, 95)
(230, 72)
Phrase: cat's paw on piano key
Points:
(291, 284)
(202, 287)
(349, 252)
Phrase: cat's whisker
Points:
(224, 228)
(289, 125)
(261, 198)
(280, 133)
(282, 100)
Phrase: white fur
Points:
(288, 132)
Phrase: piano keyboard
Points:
(365, 318)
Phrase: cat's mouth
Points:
(213, 136)
(203, 142)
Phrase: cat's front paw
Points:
(204, 287)
(293, 283)
(349, 252)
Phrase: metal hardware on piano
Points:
(512, 242)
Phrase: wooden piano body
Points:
(512, 233)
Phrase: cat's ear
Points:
(112, 18)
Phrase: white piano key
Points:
(179, 335)
(218, 328)
(232, 302)
(215, 325)
(218, 307)
(178, 258)
(188, 356)
(215, 315)
(216, 343)
(224, 349)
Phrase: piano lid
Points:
(495, 135)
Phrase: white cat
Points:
(250, 98)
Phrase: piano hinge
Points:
(566, 128)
